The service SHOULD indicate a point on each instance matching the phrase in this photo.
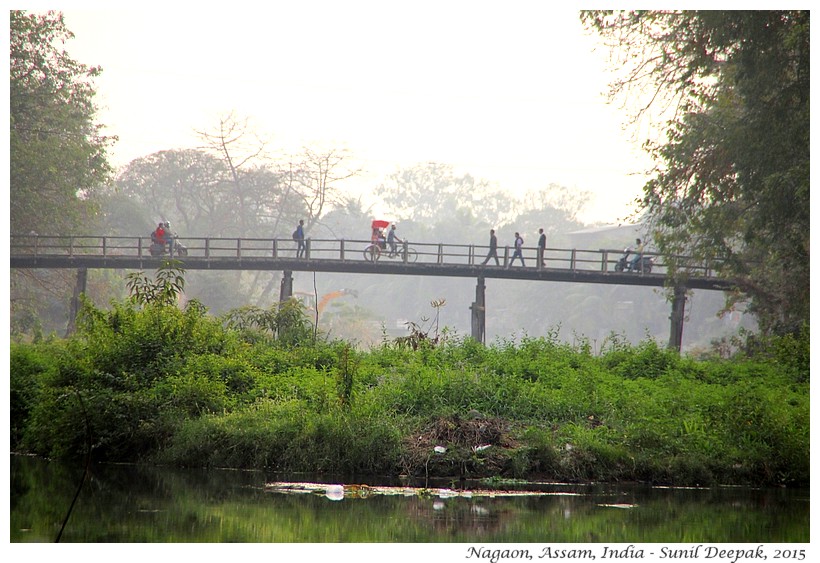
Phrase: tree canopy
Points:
(57, 152)
(732, 177)
(57, 157)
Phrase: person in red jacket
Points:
(158, 236)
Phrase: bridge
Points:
(350, 256)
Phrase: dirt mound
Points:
(467, 432)
(471, 445)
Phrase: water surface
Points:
(127, 503)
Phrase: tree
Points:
(58, 156)
(202, 196)
(183, 186)
(432, 197)
(554, 208)
(57, 159)
(732, 181)
(314, 176)
(349, 219)
(248, 186)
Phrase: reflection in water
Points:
(124, 503)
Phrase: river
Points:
(147, 504)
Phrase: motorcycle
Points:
(158, 248)
(644, 265)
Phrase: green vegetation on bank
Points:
(147, 381)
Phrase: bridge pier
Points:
(478, 309)
(79, 289)
(677, 318)
(286, 287)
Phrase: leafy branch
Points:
(164, 289)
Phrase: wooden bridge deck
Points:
(348, 256)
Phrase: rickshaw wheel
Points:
(372, 253)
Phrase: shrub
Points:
(646, 360)
(542, 455)
(287, 437)
(594, 454)
(181, 387)
(28, 364)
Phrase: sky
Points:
(510, 92)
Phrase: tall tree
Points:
(231, 144)
(208, 194)
(58, 155)
(314, 176)
(183, 186)
(732, 182)
(57, 159)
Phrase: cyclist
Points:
(392, 239)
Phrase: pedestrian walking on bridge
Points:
(493, 253)
(299, 237)
(519, 246)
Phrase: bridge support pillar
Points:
(79, 289)
(286, 288)
(677, 318)
(478, 309)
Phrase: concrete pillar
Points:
(286, 288)
(677, 318)
(478, 309)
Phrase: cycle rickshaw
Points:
(378, 246)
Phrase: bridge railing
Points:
(601, 260)
(82, 245)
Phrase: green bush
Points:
(287, 436)
(646, 360)
(153, 381)
(28, 366)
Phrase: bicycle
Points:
(374, 251)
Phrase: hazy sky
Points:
(511, 92)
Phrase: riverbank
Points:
(180, 387)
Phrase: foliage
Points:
(418, 334)
(555, 209)
(791, 351)
(288, 436)
(420, 195)
(28, 366)
(121, 377)
(165, 289)
(57, 157)
(732, 185)
(228, 189)
(346, 374)
(182, 186)
(179, 386)
(647, 359)
(285, 322)
(57, 154)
